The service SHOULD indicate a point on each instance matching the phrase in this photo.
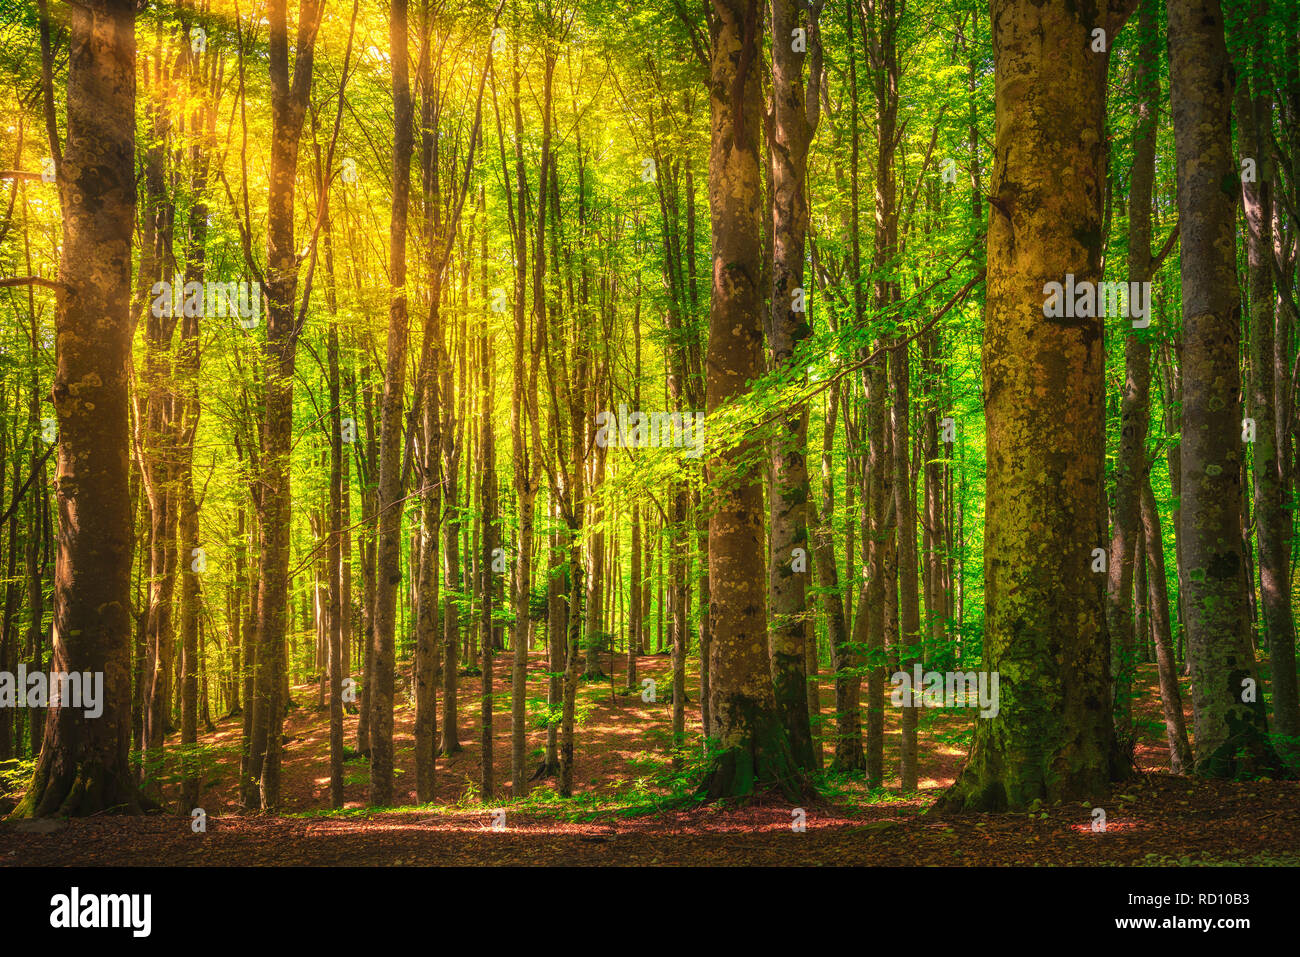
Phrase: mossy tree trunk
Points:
(751, 747)
(1045, 633)
(1230, 727)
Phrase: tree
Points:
(1272, 520)
(1229, 719)
(794, 121)
(289, 103)
(753, 747)
(1135, 409)
(83, 767)
(1044, 634)
(388, 559)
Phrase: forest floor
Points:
(630, 809)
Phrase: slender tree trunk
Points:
(339, 599)
(848, 754)
(794, 120)
(289, 101)
(1272, 518)
(487, 548)
(1230, 723)
(1180, 752)
(1130, 463)
(388, 561)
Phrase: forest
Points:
(510, 431)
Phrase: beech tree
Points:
(1230, 721)
(755, 746)
(1053, 737)
(1042, 358)
(83, 766)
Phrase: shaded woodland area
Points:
(816, 408)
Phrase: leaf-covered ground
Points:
(629, 811)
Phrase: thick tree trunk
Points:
(1044, 633)
(83, 767)
(753, 748)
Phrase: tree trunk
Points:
(1180, 752)
(794, 121)
(1130, 463)
(753, 749)
(1230, 724)
(289, 98)
(1272, 518)
(388, 561)
(83, 766)
(1044, 635)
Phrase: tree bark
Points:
(1180, 752)
(753, 749)
(1044, 634)
(289, 102)
(1130, 463)
(794, 121)
(83, 766)
(388, 561)
(1230, 723)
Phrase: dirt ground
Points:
(622, 745)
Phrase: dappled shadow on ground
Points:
(622, 742)
(1157, 819)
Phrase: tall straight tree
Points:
(527, 461)
(889, 471)
(753, 746)
(83, 766)
(435, 398)
(1272, 518)
(794, 121)
(288, 107)
(388, 561)
(1044, 631)
(1135, 411)
(1230, 727)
